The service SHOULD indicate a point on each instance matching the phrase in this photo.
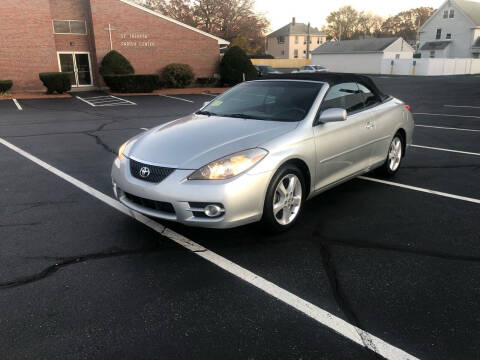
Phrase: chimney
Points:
(293, 21)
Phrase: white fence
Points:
(430, 67)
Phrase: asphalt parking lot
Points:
(370, 270)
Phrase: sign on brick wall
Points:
(136, 40)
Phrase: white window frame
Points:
(75, 70)
(70, 27)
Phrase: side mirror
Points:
(332, 115)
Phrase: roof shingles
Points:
(369, 45)
(297, 29)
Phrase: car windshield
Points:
(318, 67)
(266, 100)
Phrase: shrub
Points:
(132, 83)
(115, 63)
(5, 85)
(234, 64)
(56, 81)
(206, 81)
(178, 75)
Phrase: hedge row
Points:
(5, 85)
(132, 83)
(56, 82)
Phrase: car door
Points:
(381, 124)
(342, 147)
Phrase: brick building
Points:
(73, 36)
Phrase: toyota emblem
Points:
(144, 172)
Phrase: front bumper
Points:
(242, 197)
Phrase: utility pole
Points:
(308, 41)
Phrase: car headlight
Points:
(122, 149)
(230, 165)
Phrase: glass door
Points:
(82, 64)
(77, 66)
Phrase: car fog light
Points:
(212, 210)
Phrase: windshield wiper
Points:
(205, 112)
(245, 116)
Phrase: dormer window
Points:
(445, 14)
(452, 14)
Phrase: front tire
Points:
(284, 199)
(394, 157)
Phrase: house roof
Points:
(220, 40)
(297, 29)
(370, 45)
(470, 8)
(435, 45)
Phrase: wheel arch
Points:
(303, 167)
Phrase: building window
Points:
(70, 27)
(318, 40)
(448, 36)
(397, 56)
(282, 52)
(432, 53)
(281, 39)
(452, 14)
(296, 39)
(295, 53)
(439, 34)
(304, 51)
(476, 55)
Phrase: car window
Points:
(369, 97)
(267, 100)
(344, 96)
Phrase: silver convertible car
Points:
(258, 151)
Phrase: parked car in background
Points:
(258, 151)
(310, 69)
(264, 70)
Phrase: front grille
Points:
(151, 204)
(150, 173)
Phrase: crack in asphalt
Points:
(365, 244)
(20, 224)
(34, 205)
(63, 262)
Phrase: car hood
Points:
(196, 140)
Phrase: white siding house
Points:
(361, 56)
(453, 31)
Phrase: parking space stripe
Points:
(212, 95)
(428, 191)
(176, 98)
(462, 106)
(128, 101)
(85, 101)
(447, 128)
(448, 150)
(323, 317)
(449, 115)
(17, 104)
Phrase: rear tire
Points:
(394, 156)
(284, 200)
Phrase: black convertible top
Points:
(331, 78)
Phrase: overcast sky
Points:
(280, 12)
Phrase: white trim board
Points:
(143, 8)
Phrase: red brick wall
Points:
(27, 45)
(172, 42)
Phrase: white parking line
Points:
(17, 104)
(428, 191)
(144, 129)
(176, 98)
(463, 106)
(449, 150)
(107, 100)
(449, 115)
(212, 95)
(447, 128)
(325, 318)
